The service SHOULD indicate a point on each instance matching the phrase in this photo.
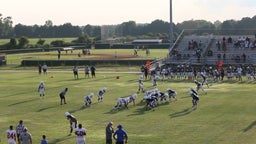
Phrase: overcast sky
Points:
(107, 12)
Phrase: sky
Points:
(111, 12)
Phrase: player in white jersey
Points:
(72, 120)
(130, 99)
(80, 134)
(140, 87)
(199, 86)
(195, 97)
(101, 93)
(172, 94)
(118, 103)
(11, 135)
(41, 89)
(88, 99)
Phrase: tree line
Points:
(155, 29)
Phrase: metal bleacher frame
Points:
(210, 37)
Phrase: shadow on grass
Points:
(112, 111)
(27, 92)
(21, 102)
(250, 126)
(181, 113)
(99, 78)
(46, 108)
(78, 109)
(58, 140)
(138, 111)
(82, 107)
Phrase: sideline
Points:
(70, 71)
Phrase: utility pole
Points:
(171, 27)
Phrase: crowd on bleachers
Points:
(231, 49)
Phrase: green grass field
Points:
(226, 115)
(15, 59)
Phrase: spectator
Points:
(224, 56)
(75, 72)
(19, 128)
(109, 132)
(25, 137)
(120, 135)
(93, 69)
(86, 71)
(59, 54)
(147, 52)
(39, 69)
(244, 57)
(45, 69)
(44, 141)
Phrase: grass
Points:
(225, 115)
(15, 59)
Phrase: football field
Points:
(225, 115)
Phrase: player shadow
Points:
(116, 110)
(132, 81)
(181, 113)
(141, 103)
(83, 107)
(10, 95)
(46, 108)
(79, 109)
(58, 140)
(21, 102)
(184, 97)
(250, 126)
(138, 111)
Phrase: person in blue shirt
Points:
(120, 135)
(43, 141)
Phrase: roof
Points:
(147, 41)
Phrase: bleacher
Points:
(210, 53)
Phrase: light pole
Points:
(171, 27)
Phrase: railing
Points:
(214, 61)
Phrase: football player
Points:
(101, 93)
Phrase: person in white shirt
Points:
(45, 69)
(239, 73)
(41, 89)
(80, 134)
(11, 135)
(19, 128)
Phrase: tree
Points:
(6, 29)
(40, 42)
(58, 43)
(23, 42)
(128, 28)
